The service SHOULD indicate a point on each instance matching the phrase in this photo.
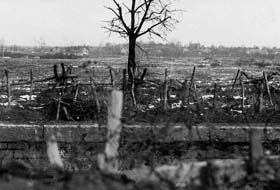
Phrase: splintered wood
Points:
(53, 153)
(108, 162)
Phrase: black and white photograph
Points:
(139, 94)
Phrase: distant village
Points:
(176, 50)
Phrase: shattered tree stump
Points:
(108, 162)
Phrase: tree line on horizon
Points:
(152, 49)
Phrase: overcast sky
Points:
(73, 22)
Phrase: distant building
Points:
(83, 52)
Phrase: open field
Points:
(208, 97)
(228, 101)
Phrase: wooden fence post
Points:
(108, 162)
(267, 88)
(185, 91)
(112, 77)
(243, 96)
(235, 79)
(165, 90)
(8, 87)
(58, 107)
(31, 85)
(143, 74)
(94, 93)
(214, 96)
(191, 84)
(260, 98)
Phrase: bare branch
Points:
(148, 4)
(119, 15)
(160, 22)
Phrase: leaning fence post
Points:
(191, 84)
(185, 90)
(8, 87)
(165, 93)
(235, 79)
(31, 85)
(58, 107)
(108, 162)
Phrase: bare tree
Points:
(136, 18)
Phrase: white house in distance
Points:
(83, 52)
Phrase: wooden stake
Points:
(76, 92)
(31, 85)
(108, 162)
(165, 91)
(260, 101)
(94, 93)
(185, 90)
(191, 84)
(214, 98)
(58, 108)
(267, 88)
(237, 74)
(243, 96)
(112, 77)
(143, 74)
(8, 88)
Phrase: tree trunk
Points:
(131, 66)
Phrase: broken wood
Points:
(235, 79)
(243, 96)
(112, 77)
(108, 162)
(191, 84)
(58, 107)
(165, 90)
(76, 93)
(67, 115)
(260, 98)
(143, 74)
(95, 95)
(31, 85)
(267, 88)
(214, 96)
(183, 91)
